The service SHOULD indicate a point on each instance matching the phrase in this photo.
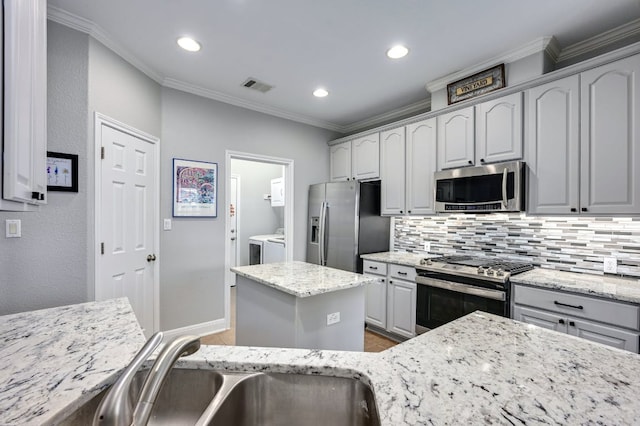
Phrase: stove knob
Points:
(500, 272)
(480, 270)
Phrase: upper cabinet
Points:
(456, 144)
(355, 160)
(490, 132)
(583, 148)
(499, 129)
(392, 188)
(25, 101)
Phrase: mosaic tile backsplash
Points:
(576, 244)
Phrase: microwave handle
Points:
(504, 187)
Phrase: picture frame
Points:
(477, 84)
(195, 188)
(62, 172)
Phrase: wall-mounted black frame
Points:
(62, 172)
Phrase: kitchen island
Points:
(479, 369)
(299, 305)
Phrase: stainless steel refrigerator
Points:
(344, 222)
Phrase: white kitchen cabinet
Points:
(610, 138)
(277, 192)
(23, 167)
(583, 145)
(499, 129)
(604, 321)
(355, 160)
(392, 171)
(553, 146)
(407, 165)
(421, 164)
(391, 301)
(456, 139)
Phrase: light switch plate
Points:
(167, 225)
(14, 228)
(610, 265)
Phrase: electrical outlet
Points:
(333, 318)
(611, 265)
(427, 246)
(167, 225)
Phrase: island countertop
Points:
(479, 369)
(302, 279)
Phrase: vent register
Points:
(255, 84)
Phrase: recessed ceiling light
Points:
(320, 93)
(397, 52)
(187, 43)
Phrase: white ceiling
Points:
(298, 45)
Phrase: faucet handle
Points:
(115, 408)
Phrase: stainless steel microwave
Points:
(491, 188)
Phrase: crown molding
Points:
(254, 106)
(598, 41)
(86, 26)
(547, 44)
(415, 107)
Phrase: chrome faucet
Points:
(116, 407)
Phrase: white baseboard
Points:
(201, 329)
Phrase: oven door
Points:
(439, 302)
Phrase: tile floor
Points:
(372, 342)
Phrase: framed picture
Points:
(62, 172)
(478, 84)
(195, 188)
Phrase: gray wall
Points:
(48, 266)
(255, 214)
(195, 128)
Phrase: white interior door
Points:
(233, 211)
(127, 264)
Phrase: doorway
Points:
(286, 166)
(127, 218)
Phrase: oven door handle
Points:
(463, 288)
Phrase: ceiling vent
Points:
(254, 84)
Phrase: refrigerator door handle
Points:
(321, 259)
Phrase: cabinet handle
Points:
(353, 178)
(572, 324)
(408, 211)
(573, 209)
(347, 178)
(375, 268)
(382, 279)
(555, 302)
(561, 321)
(470, 162)
(400, 211)
(482, 160)
(584, 209)
(402, 273)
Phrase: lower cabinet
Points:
(390, 301)
(603, 321)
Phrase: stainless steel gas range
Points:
(450, 287)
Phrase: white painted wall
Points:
(255, 214)
(192, 266)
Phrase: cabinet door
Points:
(420, 166)
(340, 162)
(392, 189)
(610, 139)
(606, 335)
(365, 157)
(25, 101)
(376, 302)
(540, 318)
(456, 139)
(499, 129)
(553, 140)
(401, 304)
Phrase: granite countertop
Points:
(606, 286)
(54, 360)
(478, 369)
(302, 279)
(399, 258)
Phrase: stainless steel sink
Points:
(183, 398)
(208, 397)
(293, 399)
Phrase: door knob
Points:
(151, 258)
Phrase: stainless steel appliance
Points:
(344, 222)
(450, 287)
(490, 188)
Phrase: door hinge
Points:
(101, 248)
(102, 152)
